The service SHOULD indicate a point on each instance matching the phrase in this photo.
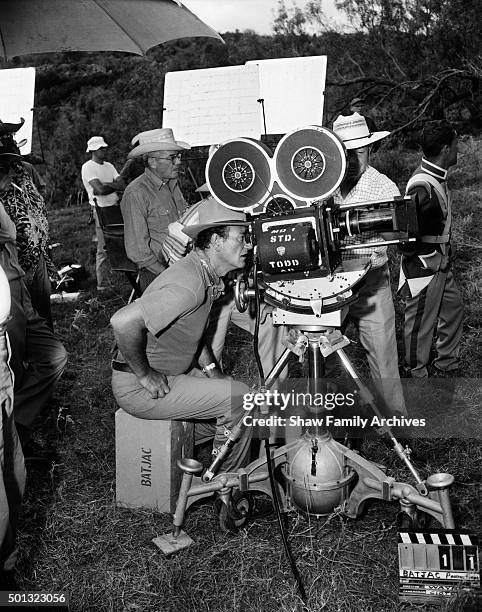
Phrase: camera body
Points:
(305, 247)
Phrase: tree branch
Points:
(422, 107)
(374, 80)
(362, 73)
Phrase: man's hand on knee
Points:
(155, 384)
(217, 373)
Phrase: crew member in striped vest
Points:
(426, 282)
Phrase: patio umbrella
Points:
(133, 26)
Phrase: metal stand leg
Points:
(370, 400)
(178, 539)
(239, 427)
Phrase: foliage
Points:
(409, 59)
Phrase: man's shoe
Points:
(262, 505)
(450, 372)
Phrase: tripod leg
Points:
(370, 400)
(277, 368)
(239, 427)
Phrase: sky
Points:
(257, 15)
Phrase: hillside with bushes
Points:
(409, 60)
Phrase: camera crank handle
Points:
(242, 293)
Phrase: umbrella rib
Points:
(3, 46)
(102, 8)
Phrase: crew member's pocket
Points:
(431, 262)
(162, 213)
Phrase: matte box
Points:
(147, 475)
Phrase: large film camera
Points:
(307, 248)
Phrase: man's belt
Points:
(120, 366)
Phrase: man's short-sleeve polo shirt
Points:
(176, 308)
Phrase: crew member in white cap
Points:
(163, 370)
(101, 181)
(373, 313)
(152, 201)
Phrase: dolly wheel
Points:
(231, 518)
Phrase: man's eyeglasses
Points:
(172, 158)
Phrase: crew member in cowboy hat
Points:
(20, 194)
(37, 357)
(153, 200)
(174, 375)
(210, 213)
(373, 313)
(10, 150)
(8, 146)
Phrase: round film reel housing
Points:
(310, 163)
(239, 174)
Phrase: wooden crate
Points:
(147, 475)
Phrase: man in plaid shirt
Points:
(373, 313)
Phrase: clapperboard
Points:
(438, 564)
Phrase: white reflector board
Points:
(17, 87)
(213, 105)
(293, 92)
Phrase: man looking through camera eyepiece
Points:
(164, 370)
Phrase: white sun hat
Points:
(95, 143)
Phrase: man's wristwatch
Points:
(206, 369)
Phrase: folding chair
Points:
(112, 225)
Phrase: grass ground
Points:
(74, 539)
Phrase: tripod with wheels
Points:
(313, 473)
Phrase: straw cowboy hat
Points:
(354, 132)
(212, 214)
(156, 140)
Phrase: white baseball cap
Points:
(96, 142)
